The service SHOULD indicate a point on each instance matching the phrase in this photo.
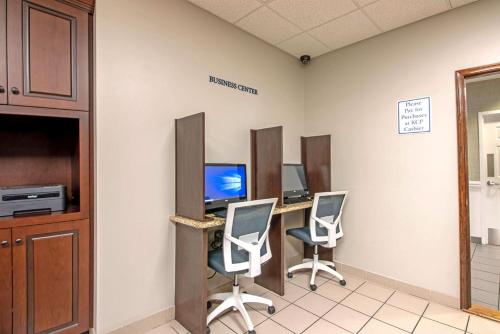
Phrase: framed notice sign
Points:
(414, 116)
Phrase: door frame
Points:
(463, 187)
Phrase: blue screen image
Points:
(225, 182)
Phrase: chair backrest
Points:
(246, 245)
(325, 221)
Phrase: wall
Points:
(481, 96)
(153, 62)
(401, 219)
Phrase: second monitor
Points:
(295, 189)
(224, 184)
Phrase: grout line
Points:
(489, 272)
(421, 316)
(223, 324)
(372, 316)
(467, 326)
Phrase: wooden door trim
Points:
(463, 177)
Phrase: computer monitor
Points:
(294, 181)
(224, 184)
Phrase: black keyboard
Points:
(295, 200)
(221, 214)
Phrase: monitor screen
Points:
(294, 180)
(225, 181)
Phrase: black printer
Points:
(32, 199)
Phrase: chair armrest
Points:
(253, 254)
(332, 229)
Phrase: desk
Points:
(191, 264)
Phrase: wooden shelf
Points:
(72, 213)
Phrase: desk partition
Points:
(266, 147)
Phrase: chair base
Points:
(315, 265)
(236, 301)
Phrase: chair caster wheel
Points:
(251, 332)
(289, 275)
(313, 287)
(343, 282)
(208, 330)
(333, 268)
(209, 304)
(271, 309)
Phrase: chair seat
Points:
(304, 234)
(216, 262)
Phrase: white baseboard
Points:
(410, 289)
(146, 324)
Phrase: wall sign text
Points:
(414, 116)
(233, 85)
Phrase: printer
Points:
(32, 199)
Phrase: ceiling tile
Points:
(303, 44)
(458, 3)
(345, 30)
(267, 25)
(229, 10)
(391, 14)
(363, 3)
(308, 14)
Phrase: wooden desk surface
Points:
(217, 221)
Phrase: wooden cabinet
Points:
(3, 52)
(5, 281)
(50, 278)
(48, 54)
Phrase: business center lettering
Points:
(233, 85)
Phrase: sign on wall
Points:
(233, 85)
(414, 116)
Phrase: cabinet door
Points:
(5, 281)
(3, 53)
(51, 278)
(47, 45)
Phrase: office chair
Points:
(245, 247)
(324, 229)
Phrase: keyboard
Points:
(221, 214)
(295, 200)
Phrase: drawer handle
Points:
(15, 90)
(2, 89)
(4, 244)
(19, 242)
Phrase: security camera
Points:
(305, 59)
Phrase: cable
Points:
(213, 275)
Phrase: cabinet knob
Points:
(2, 89)
(19, 242)
(15, 90)
(4, 244)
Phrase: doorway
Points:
(478, 125)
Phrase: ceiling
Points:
(315, 27)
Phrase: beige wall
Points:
(481, 96)
(153, 62)
(401, 220)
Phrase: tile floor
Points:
(485, 275)
(361, 307)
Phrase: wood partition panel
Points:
(267, 167)
(191, 278)
(267, 163)
(190, 167)
(316, 157)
